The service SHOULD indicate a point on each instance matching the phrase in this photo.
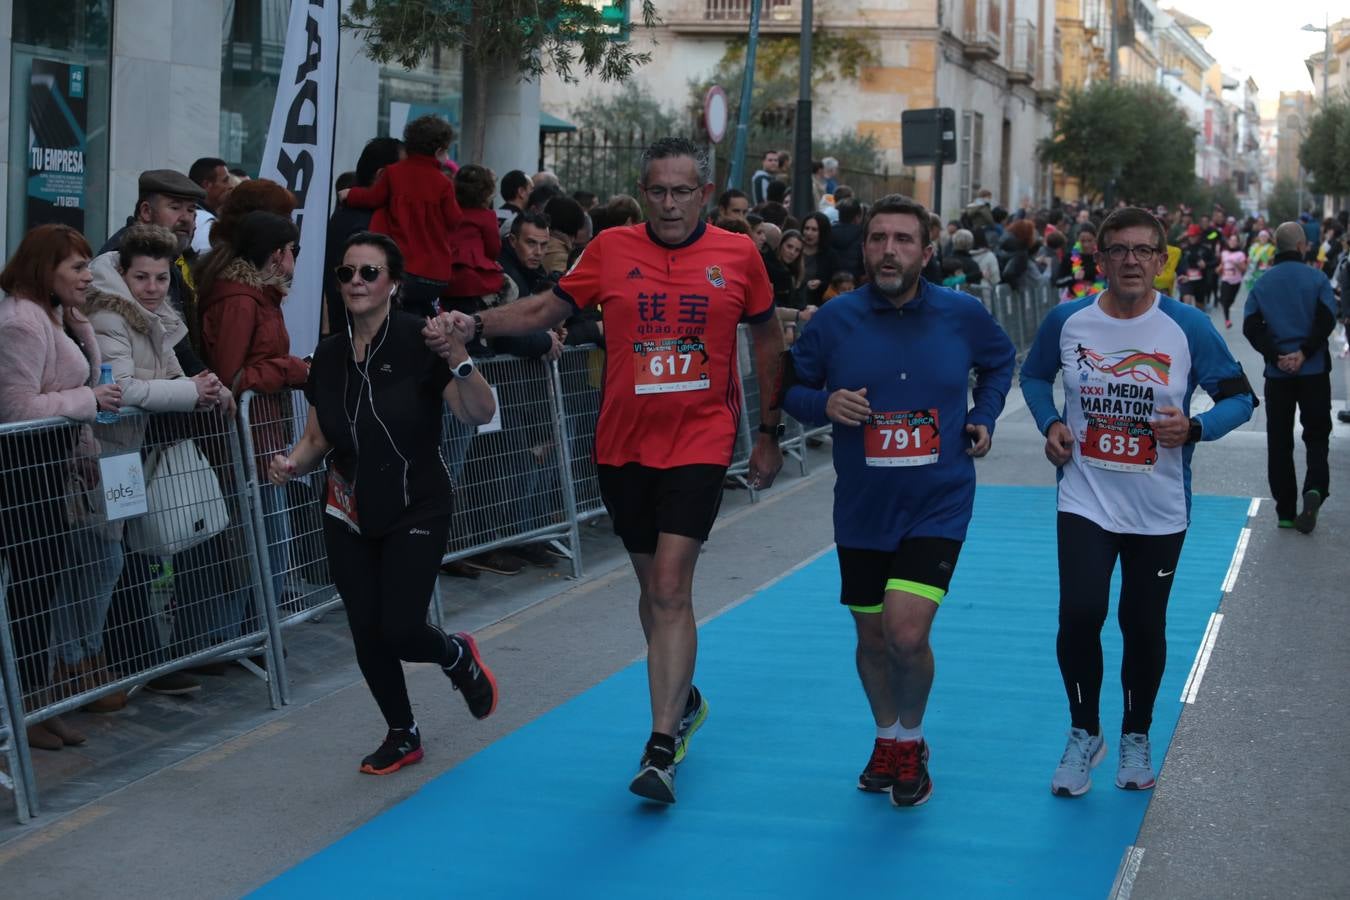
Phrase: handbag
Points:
(184, 504)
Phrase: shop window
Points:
(58, 123)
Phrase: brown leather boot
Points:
(42, 739)
(68, 735)
(97, 671)
(68, 680)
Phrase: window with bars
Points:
(971, 154)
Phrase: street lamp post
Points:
(1326, 53)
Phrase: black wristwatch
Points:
(477, 326)
(1197, 431)
(776, 430)
(463, 370)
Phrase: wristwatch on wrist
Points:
(477, 326)
(776, 430)
(463, 370)
(1197, 431)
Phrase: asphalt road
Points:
(213, 798)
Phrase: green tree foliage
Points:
(774, 94)
(1132, 135)
(1204, 197)
(1325, 151)
(630, 110)
(1282, 202)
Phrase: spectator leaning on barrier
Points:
(415, 205)
(211, 175)
(246, 343)
(51, 368)
(378, 154)
(376, 401)
(169, 199)
(136, 329)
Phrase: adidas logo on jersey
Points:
(636, 273)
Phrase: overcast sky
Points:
(1263, 40)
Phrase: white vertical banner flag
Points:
(299, 152)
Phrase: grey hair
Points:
(830, 162)
(672, 147)
(1289, 236)
(963, 240)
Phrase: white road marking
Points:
(1128, 871)
(1238, 553)
(1255, 506)
(1192, 687)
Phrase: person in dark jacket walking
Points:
(1290, 313)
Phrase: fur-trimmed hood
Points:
(110, 293)
(239, 276)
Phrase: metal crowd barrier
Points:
(97, 598)
(130, 556)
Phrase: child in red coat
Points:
(415, 204)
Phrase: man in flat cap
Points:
(169, 199)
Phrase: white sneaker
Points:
(1136, 766)
(1082, 754)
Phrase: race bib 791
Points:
(908, 438)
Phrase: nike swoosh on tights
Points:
(1162, 574)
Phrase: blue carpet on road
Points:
(767, 803)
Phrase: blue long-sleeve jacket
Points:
(916, 359)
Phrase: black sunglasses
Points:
(368, 273)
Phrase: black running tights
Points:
(386, 586)
(1227, 294)
(1087, 556)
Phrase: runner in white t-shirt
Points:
(1130, 359)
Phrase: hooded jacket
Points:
(139, 343)
(415, 205)
(244, 334)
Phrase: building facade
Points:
(995, 62)
(132, 85)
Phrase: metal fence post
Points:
(20, 761)
(278, 684)
(563, 449)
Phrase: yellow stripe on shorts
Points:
(918, 588)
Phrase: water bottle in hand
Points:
(105, 376)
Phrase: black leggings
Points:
(386, 586)
(1227, 294)
(1148, 563)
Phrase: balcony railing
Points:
(1025, 52)
(983, 28)
(716, 16)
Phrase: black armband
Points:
(1236, 386)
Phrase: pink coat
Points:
(42, 371)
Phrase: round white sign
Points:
(715, 112)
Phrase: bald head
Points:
(1290, 236)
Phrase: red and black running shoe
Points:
(879, 774)
(912, 785)
(471, 678)
(401, 748)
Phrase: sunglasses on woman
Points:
(368, 273)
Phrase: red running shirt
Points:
(671, 395)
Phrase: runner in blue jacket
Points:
(889, 364)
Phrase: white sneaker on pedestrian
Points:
(1082, 754)
(1136, 765)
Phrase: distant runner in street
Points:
(1290, 314)
(889, 364)
(672, 292)
(1130, 358)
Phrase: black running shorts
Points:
(643, 502)
(922, 566)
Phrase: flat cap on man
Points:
(170, 184)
